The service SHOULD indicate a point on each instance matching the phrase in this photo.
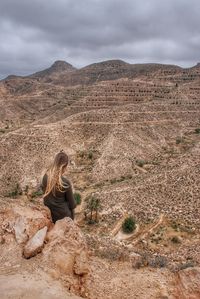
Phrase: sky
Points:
(35, 33)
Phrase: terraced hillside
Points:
(133, 136)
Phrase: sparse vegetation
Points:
(186, 265)
(92, 208)
(16, 191)
(37, 193)
(121, 179)
(175, 226)
(129, 225)
(90, 155)
(197, 130)
(81, 154)
(26, 189)
(176, 239)
(77, 197)
(140, 162)
(157, 261)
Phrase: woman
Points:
(58, 195)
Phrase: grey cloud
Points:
(34, 33)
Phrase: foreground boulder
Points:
(35, 244)
(23, 221)
(66, 254)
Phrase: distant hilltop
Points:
(61, 66)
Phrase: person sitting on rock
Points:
(58, 195)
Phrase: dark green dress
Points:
(62, 204)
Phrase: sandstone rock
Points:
(24, 221)
(187, 284)
(66, 252)
(35, 218)
(66, 247)
(32, 285)
(20, 230)
(81, 263)
(35, 244)
(64, 261)
(7, 226)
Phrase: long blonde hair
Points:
(54, 174)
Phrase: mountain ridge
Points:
(61, 66)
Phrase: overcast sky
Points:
(35, 33)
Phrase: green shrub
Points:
(77, 197)
(93, 206)
(90, 155)
(175, 226)
(197, 130)
(140, 163)
(16, 191)
(37, 193)
(175, 240)
(129, 225)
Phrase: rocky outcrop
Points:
(66, 254)
(187, 284)
(27, 230)
(31, 286)
(58, 66)
(35, 244)
(24, 221)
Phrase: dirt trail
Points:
(126, 122)
(117, 227)
(136, 235)
(144, 234)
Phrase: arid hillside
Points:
(132, 133)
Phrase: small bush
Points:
(140, 163)
(197, 130)
(153, 261)
(90, 155)
(175, 226)
(93, 206)
(179, 140)
(81, 154)
(113, 181)
(77, 198)
(91, 221)
(37, 193)
(16, 191)
(158, 262)
(129, 225)
(175, 240)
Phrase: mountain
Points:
(58, 66)
(110, 70)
